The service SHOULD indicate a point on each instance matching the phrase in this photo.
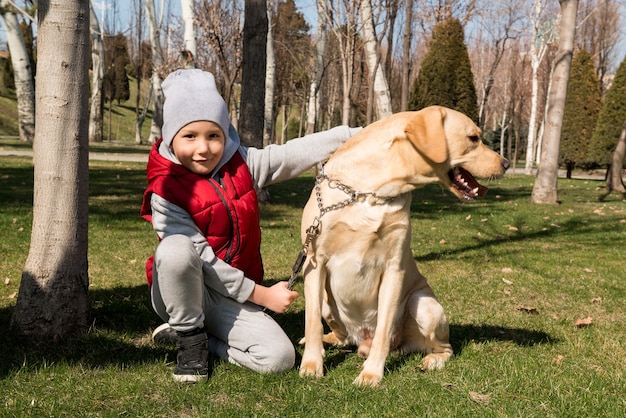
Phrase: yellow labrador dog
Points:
(360, 274)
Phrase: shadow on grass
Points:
(122, 320)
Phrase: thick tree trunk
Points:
(253, 73)
(53, 297)
(614, 182)
(545, 187)
(96, 115)
(22, 69)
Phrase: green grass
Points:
(513, 277)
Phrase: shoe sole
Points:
(190, 378)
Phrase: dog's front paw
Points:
(312, 369)
(368, 379)
(434, 361)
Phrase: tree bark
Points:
(270, 75)
(614, 182)
(378, 86)
(157, 62)
(406, 50)
(53, 298)
(96, 115)
(318, 69)
(22, 70)
(545, 187)
(189, 36)
(253, 73)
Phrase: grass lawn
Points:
(534, 295)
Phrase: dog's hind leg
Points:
(426, 329)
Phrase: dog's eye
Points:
(474, 138)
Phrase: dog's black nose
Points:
(505, 164)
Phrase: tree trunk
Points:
(253, 73)
(318, 68)
(406, 50)
(545, 187)
(96, 115)
(189, 37)
(157, 61)
(53, 297)
(379, 87)
(22, 70)
(614, 182)
(270, 75)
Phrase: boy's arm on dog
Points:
(276, 163)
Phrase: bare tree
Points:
(53, 298)
(23, 72)
(545, 187)
(318, 68)
(189, 38)
(379, 89)
(97, 75)
(270, 75)
(154, 28)
(253, 73)
(406, 51)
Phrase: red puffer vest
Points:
(227, 212)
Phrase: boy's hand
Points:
(277, 297)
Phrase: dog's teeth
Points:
(475, 191)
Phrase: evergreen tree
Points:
(445, 77)
(582, 107)
(116, 84)
(610, 121)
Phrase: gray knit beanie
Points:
(190, 96)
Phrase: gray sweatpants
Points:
(240, 333)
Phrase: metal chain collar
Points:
(314, 230)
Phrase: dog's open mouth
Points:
(465, 185)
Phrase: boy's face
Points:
(199, 146)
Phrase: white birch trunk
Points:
(97, 60)
(157, 61)
(318, 68)
(270, 74)
(545, 187)
(382, 98)
(189, 35)
(22, 70)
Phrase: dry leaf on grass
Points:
(559, 359)
(480, 397)
(505, 281)
(596, 300)
(507, 270)
(7, 280)
(585, 322)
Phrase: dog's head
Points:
(451, 145)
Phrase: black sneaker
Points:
(192, 361)
(164, 334)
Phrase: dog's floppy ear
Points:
(425, 131)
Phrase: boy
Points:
(205, 276)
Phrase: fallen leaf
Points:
(507, 292)
(507, 282)
(443, 241)
(596, 300)
(12, 295)
(598, 212)
(7, 280)
(559, 359)
(588, 270)
(580, 323)
(484, 220)
(480, 397)
(513, 228)
(507, 270)
(533, 311)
